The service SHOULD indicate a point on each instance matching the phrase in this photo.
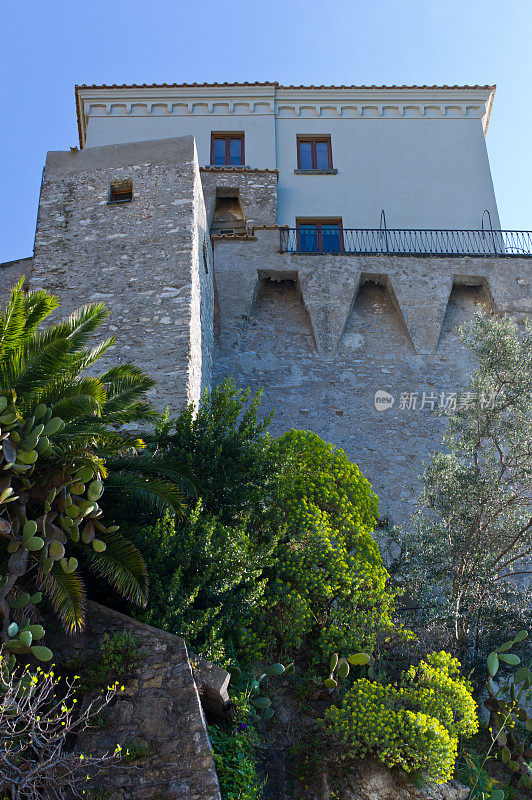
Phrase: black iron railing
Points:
(403, 241)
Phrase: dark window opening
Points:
(227, 149)
(205, 257)
(319, 235)
(228, 216)
(314, 152)
(121, 192)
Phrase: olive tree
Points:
(470, 540)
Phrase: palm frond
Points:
(159, 466)
(133, 412)
(121, 372)
(35, 366)
(123, 566)
(71, 408)
(78, 327)
(84, 322)
(37, 307)
(66, 593)
(87, 395)
(119, 399)
(152, 491)
(12, 321)
(89, 355)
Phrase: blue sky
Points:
(47, 47)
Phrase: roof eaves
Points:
(275, 84)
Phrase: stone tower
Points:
(147, 257)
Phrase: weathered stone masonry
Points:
(159, 710)
(145, 259)
(321, 333)
(11, 272)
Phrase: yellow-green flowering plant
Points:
(415, 725)
(329, 588)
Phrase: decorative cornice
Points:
(244, 99)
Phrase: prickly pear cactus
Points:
(510, 723)
(42, 510)
(339, 668)
(261, 705)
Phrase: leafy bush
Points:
(472, 529)
(228, 450)
(207, 583)
(117, 656)
(278, 557)
(279, 554)
(328, 587)
(234, 756)
(510, 720)
(416, 725)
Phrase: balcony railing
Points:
(402, 241)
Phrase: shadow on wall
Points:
(461, 310)
(278, 325)
(375, 326)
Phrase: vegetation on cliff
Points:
(281, 564)
(258, 548)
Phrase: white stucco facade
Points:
(419, 153)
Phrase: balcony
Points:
(403, 241)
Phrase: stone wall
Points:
(321, 333)
(145, 259)
(10, 273)
(373, 781)
(160, 710)
(257, 189)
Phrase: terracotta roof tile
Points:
(269, 83)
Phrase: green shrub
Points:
(278, 556)
(471, 527)
(228, 450)
(416, 725)
(117, 656)
(207, 584)
(328, 588)
(236, 762)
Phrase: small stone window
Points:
(121, 191)
(228, 216)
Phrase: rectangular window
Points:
(314, 152)
(319, 235)
(121, 192)
(227, 149)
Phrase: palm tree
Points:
(47, 366)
